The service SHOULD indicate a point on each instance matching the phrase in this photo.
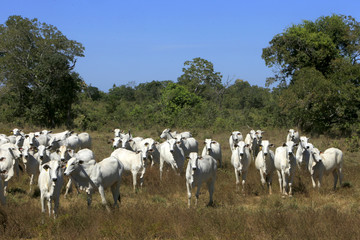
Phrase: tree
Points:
(313, 44)
(200, 78)
(319, 73)
(36, 70)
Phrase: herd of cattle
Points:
(51, 156)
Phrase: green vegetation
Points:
(317, 88)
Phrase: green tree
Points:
(318, 72)
(36, 70)
(200, 78)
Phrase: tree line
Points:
(315, 87)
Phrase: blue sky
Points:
(132, 42)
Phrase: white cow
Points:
(168, 134)
(85, 155)
(30, 140)
(171, 153)
(330, 161)
(44, 137)
(97, 176)
(234, 138)
(200, 170)
(133, 162)
(31, 163)
(251, 139)
(50, 183)
(117, 132)
(188, 145)
(15, 154)
(302, 152)
(212, 148)
(85, 140)
(42, 154)
(293, 135)
(285, 164)
(240, 159)
(8, 158)
(264, 162)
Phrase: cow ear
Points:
(284, 144)
(235, 145)
(57, 150)
(200, 158)
(188, 158)
(48, 147)
(271, 145)
(2, 158)
(247, 145)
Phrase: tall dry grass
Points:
(159, 209)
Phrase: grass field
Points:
(159, 210)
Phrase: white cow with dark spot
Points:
(93, 176)
(200, 170)
(212, 148)
(285, 164)
(330, 161)
(241, 159)
(264, 162)
(50, 183)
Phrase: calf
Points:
(213, 149)
(200, 170)
(50, 183)
(264, 162)
(240, 159)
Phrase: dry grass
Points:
(159, 209)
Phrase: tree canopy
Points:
(36, 70)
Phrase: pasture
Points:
(159, 210)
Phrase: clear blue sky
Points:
(137, 41)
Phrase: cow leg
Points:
(134, 175)
(244, 174)
(89, 198)
(290, 184)
(188, 187)
(313, 181)
(31, 182)
(49, 206)
(142, 177)
(340, 176)
(56, 206)
(161, 167)
(262, 178)
(103, 199)
(335, 174)
(68, 187)
(2, 197)
(237, 179)
(197, 193)
(116, 193)
(280, 180)
(211, 186)
(269, 182)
